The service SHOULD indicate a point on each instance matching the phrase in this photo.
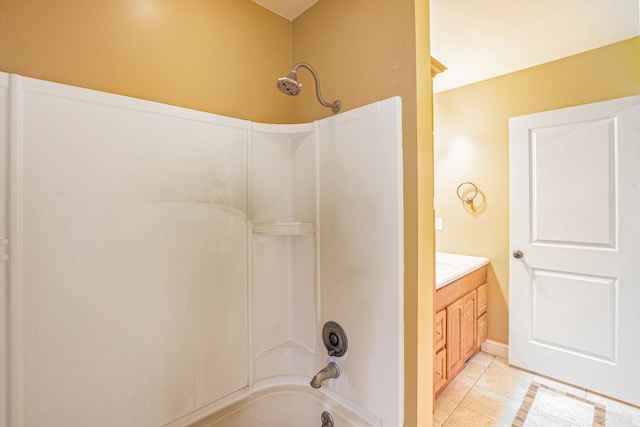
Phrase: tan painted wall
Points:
(365, 51)
(472, 144)
(220, 56)
(223, 56)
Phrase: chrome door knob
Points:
(517, 254)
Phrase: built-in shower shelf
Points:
(284, 228)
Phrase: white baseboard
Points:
(495, 348)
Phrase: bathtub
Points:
(451, 267)
(289, 402)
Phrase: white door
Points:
(574, 284)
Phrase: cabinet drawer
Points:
(440, 370)
(483, 297)
(482, 329)
(440, 330)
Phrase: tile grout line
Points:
(467, 392)
(580, 394)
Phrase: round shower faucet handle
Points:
(334, 339)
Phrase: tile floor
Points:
(489, 392)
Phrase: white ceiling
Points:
(289, 9)
(480, 40)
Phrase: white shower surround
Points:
(166, 263)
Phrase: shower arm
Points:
(335, 107)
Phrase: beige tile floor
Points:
(489, 392)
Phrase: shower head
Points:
(289, 85)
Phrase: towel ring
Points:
(464, 195)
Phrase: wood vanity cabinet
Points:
(461, 325)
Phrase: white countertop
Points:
(451, 267)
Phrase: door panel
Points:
(469, 324)
(455, 351)
(587, 149)
(574, 298)
(575, 313)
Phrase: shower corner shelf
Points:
(284, 228)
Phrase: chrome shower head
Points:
(289, 86)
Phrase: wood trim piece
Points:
(436, 67)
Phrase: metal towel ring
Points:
(461, 194)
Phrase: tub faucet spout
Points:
(329, 371)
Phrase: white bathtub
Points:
(291, 404)
(451, 267)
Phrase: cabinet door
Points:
(482, 330)
(440, 330)
(483, 297)
(455, 353)
(440, 370)
(469, 321)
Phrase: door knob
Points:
(517, 254)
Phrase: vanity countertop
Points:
(451, 267)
